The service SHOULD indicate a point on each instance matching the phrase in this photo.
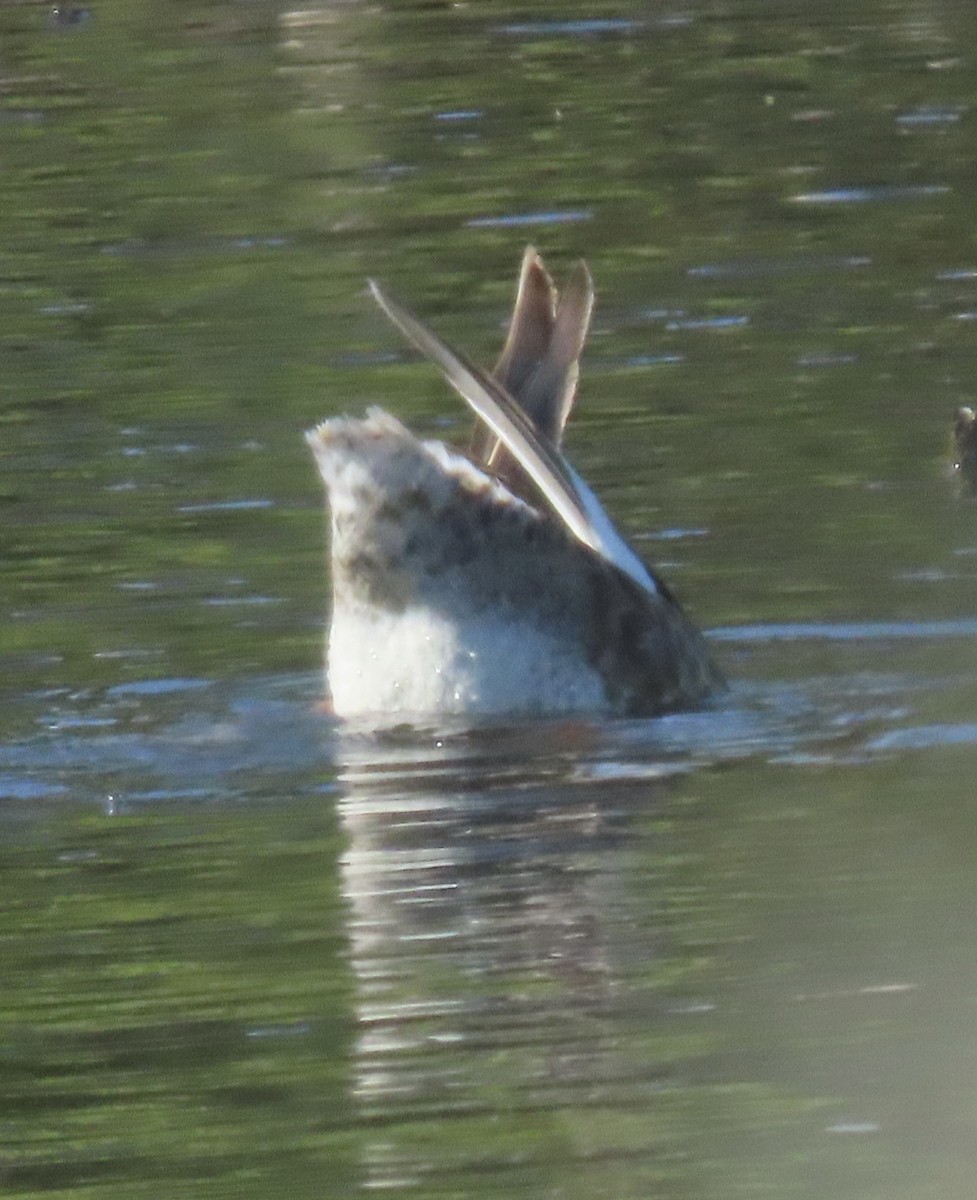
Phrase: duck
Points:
(965, 450)
(490, 582)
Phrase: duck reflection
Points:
(500, 970)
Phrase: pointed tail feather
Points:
(558, 483)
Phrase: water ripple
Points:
(846, 632)
(586, 28)
(518, 220)
(872, 195)
(925, 737)
(928, 115)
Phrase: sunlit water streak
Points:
(877, 194)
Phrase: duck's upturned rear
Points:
(493, 585)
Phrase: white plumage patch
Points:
(390, 667)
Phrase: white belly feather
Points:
(394, 666)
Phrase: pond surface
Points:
(249, 953)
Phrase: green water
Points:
(246, 954)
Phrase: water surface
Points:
(247, 952)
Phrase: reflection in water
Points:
(494, 954)
(576, 948)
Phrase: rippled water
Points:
(247, 951)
